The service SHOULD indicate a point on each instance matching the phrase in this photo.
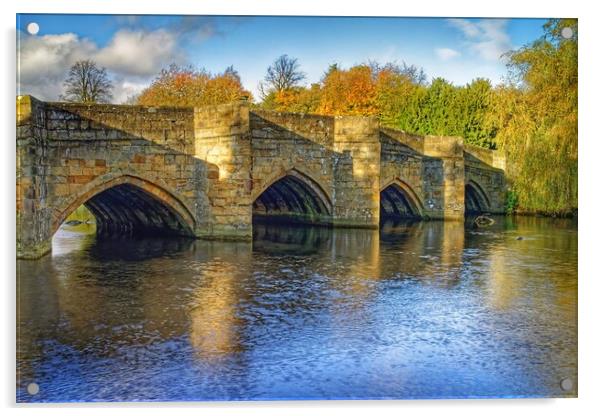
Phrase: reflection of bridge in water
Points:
(213, 296)
(207, 172)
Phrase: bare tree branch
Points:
(282, 75)
(86, 83)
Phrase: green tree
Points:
(399, 96)
(475, 103)
(440, 113)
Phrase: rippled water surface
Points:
(423, 310)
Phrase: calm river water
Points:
(423, 310)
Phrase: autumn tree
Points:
(295, 100)
(189, 87)
(348, 92)
(87, 83)
(366, 89)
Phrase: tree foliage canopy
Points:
(188, 87)
(536, 114)
(399, 96)
(532, 117)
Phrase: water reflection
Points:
(216, 326)
(413, 310)
(289, 239)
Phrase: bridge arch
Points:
(398, 200)
(475, 199)
(292, 196)
(128, 204)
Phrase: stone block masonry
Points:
(209, 172)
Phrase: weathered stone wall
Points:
(404, 164)
(223, 141)
(449, 150)
(296, 147)
(68, 153)
(33, 212)
(282, 143)
(357, 172)
(438, 168)
(484, 170)
(207, 171)
(430, 168)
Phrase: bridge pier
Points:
(356, 172)
(223, 140)
(449, 152)
(31, 250)
(34, 216)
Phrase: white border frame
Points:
(590, 150)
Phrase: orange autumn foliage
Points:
(362, 90)
(350, 92)
(187, 87)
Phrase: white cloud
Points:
(43, 62)
(124, 89)
(446, 54)
(139, 53)
(468, 28)
(487, 37)
(131, 57)
(46, 55)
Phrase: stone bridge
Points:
(209, 172)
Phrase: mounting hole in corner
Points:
(33, 388)
(567, 32)
(566, 384)
(33, 28)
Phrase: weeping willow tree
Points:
(536, 116)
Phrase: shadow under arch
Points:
(475, 199)
(129, 205)
(294, 197)
(399, 201)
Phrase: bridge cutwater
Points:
(207, 172)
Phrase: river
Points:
(414, 310)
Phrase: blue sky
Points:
(135, 48)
